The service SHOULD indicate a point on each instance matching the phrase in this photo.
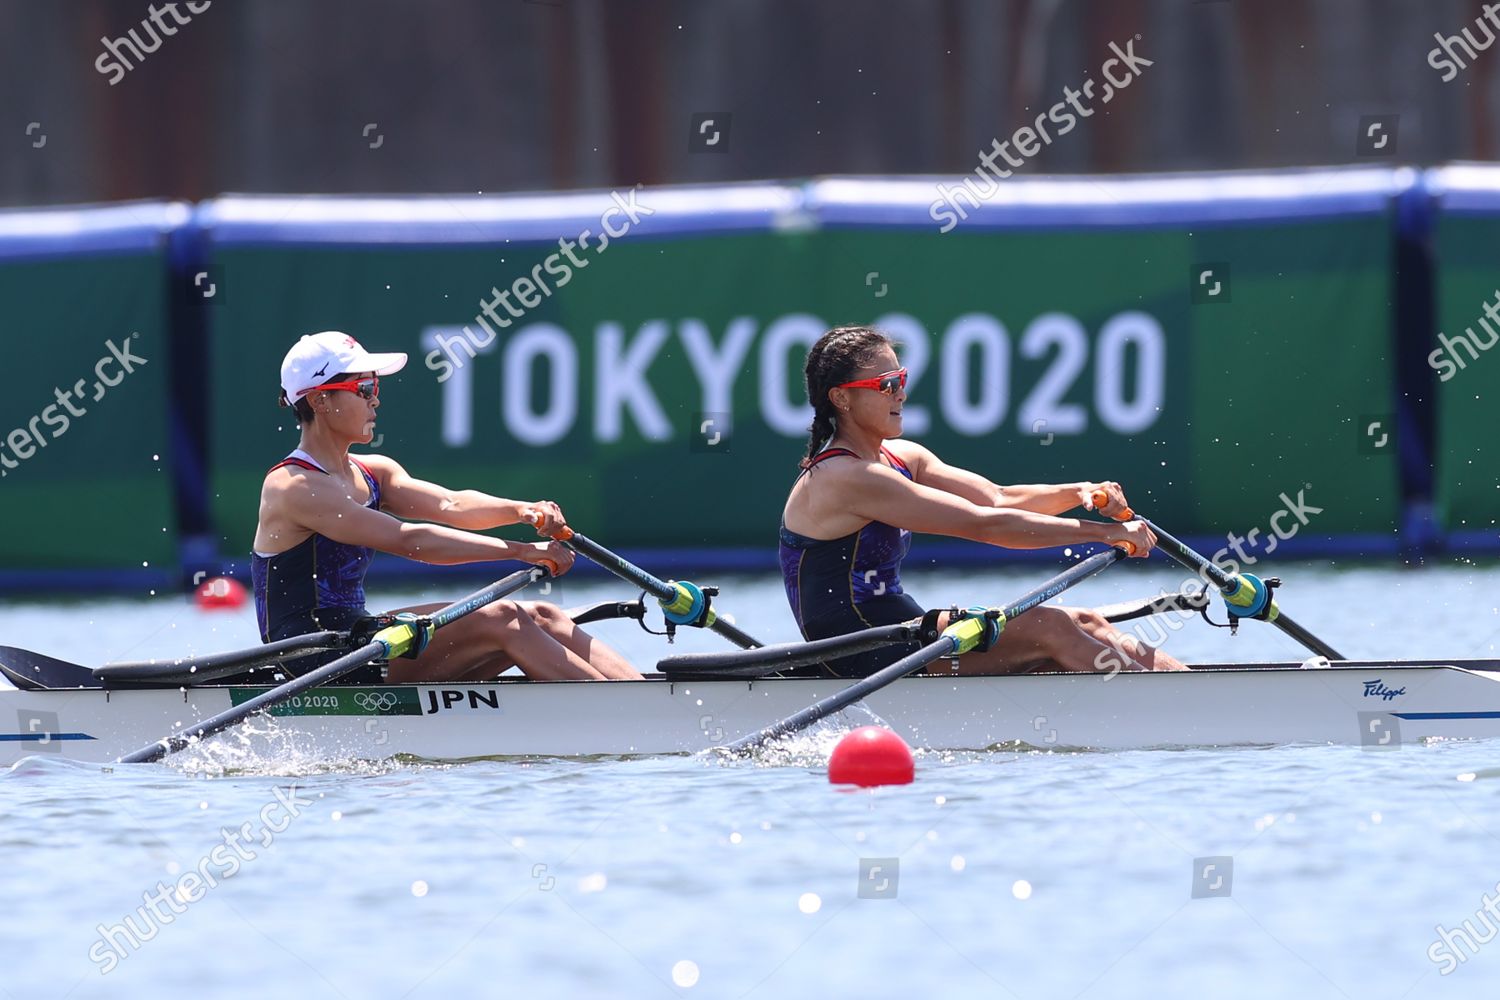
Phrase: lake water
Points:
(1025, 874)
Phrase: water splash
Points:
(260, 747)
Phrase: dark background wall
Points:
(498, 95)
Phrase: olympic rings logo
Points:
(376, 703)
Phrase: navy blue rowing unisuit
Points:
(842, 585)
(316, 585)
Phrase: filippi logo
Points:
(1377, 689)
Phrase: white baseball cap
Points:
(318, 357)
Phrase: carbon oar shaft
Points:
(1179, 551)
(784, 655)
(390, 641)
(955, 639)
(656, 587)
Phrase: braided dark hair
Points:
(833, 360)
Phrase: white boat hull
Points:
(1378, 705)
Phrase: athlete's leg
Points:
(1057, 638)
(499, 628)
(1130, 648)
(592, 650)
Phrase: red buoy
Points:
(871, 756)
(220, 592)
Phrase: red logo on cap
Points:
(350, 341)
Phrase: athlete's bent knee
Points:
(1088, 619)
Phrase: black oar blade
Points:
(38, 672)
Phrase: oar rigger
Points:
(691, 606)
(682, 603)
(1247, 596)
(421, 629)
(991, 622)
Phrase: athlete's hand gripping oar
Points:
(976, 631)
(408, 637)
(1245, 594)
(683, 603)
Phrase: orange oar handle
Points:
(532, 518)
(1127, 545)
(1100, 498)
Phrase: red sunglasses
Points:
(365, 388)
(888, 382)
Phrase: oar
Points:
(213, 666)
(394, 640)
(1185, 602)
(784, 655)
(959, 637)
(682, 602)
(202, 669)
(1242, 591)
(1247, 595)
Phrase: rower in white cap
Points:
(324, 513)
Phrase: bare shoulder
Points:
(383, 467)
(284, 486)
(847, 474)
(914, 455)
(837, 468)
(278, 525)
(291, 489)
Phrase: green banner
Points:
(657, 395)
(84, 474)
(1467, 372)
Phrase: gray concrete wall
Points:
(497, 95)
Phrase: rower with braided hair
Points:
(861, 493)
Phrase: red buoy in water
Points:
(871, 756)
(220, 592)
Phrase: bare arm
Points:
(874, 492)
(332, 513)
(407, 496)
(929, 470)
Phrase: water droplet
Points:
(685, 973)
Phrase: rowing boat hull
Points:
(1379, 705)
